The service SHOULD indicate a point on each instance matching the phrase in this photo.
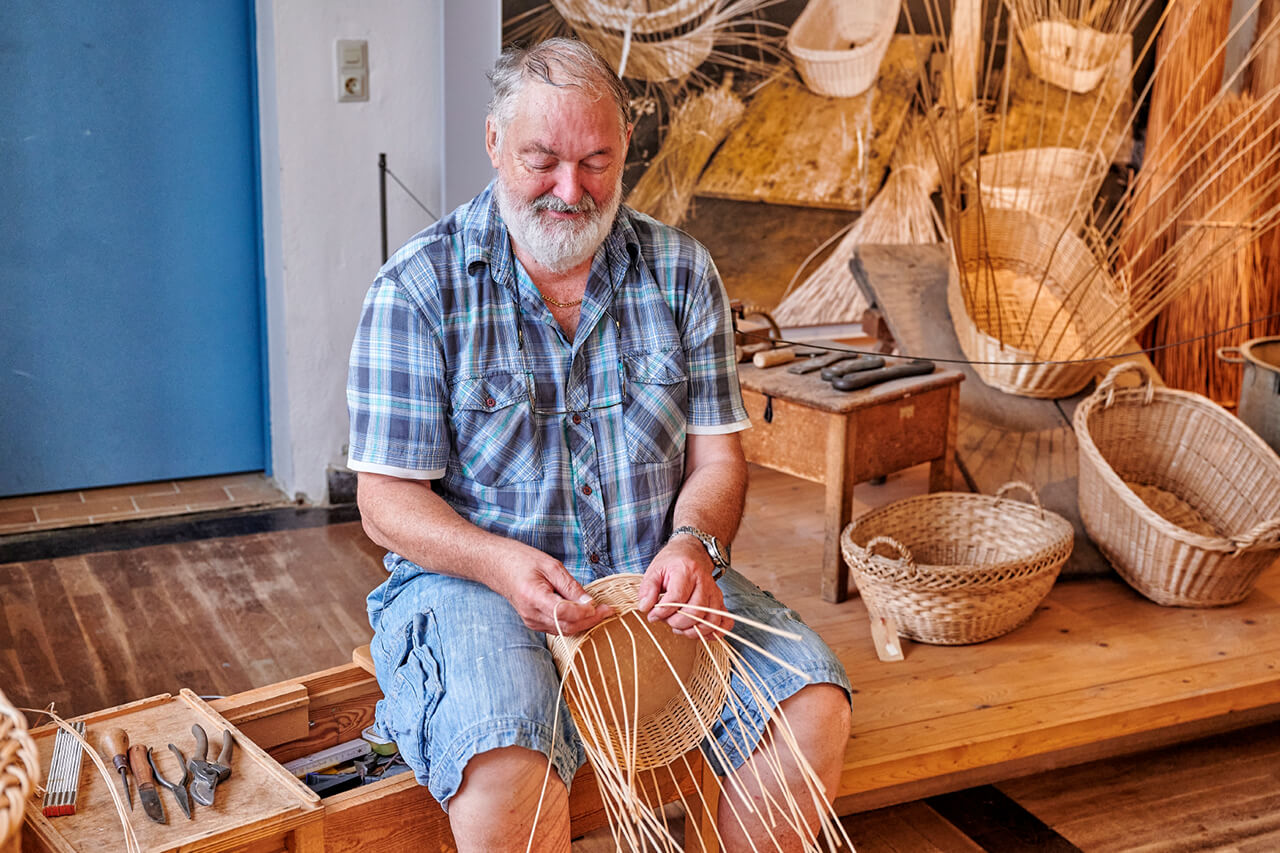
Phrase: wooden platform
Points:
(798, 148)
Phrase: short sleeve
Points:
(396, 395)
(715, 400)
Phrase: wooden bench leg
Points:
(942, 471)
(838, 511)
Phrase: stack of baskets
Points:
(1180, 496)
(964, 568)
(19, 772)
(838, 45)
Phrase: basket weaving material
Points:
(1213, 465)
(838, 45)
(658, 704)
(19, 773)
(1056, 183)
(653, 41)
(1068, 55)
(1033, 292)
(967, 567)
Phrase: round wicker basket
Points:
(19, 773)
(1181, 496)
(1056, 183)
(964, 568)
(665, 41)
(1033, 292)
(1068, 55)
(661, 692)
(838, 45)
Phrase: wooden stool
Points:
(804, 427)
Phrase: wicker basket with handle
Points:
(1180, 495)
(19, 773)
(963, 568)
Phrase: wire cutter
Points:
(205, 774)
(178, 788)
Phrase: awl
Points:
(147, 792)
(118, 749)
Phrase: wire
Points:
(428, 210)
(764, 335)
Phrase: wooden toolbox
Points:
(262, 808)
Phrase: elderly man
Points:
(542, 392)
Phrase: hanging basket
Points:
(1056, 183)
(838, 45)
(1180, 495)
(660, 692)
(960, 568)
(19, 773)
(1068, 55)
(1033, 293)
(664, 41)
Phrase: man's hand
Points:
(681, 574)
(547, 597)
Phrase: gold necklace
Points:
(559, 304)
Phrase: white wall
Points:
(320, 194)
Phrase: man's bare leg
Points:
(819, 717)
(495, 807)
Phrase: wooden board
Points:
(798, 148)
(1043, 115)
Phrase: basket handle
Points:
(903, 554)
(1107, 387)
(1264, 535)
(1026, 487)
(1226, 353)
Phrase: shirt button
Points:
(586, 490)
(595, 558)
(489, 401)
(577, 418)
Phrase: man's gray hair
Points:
(557, 62)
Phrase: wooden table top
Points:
(811, 390)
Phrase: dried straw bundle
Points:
(641, 697)
(697, 127)
(902, 212)
(1232, 289)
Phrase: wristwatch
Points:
(719, 554)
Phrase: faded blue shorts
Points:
(461, 674)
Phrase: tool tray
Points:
(260, 802)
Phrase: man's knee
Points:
(505, 770)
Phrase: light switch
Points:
(352, 65)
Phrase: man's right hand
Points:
(548, 598)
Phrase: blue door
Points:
(130, 279)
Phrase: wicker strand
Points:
(19, 771)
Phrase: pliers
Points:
(178, 788)
(207, 774)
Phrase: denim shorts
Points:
(461, 674)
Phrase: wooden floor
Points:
(226, 614)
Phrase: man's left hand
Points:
(681, 574)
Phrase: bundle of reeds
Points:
(902, 212)
(697, 127)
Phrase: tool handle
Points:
(774, 356)
(141, 767)
(857, 381)
(117, 742)
(224, 756)
(857, 365)
(202, 742)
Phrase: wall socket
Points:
(352, 63)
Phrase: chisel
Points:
(118, 749)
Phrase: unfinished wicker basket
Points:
(965, 567)
(656, 41)
(1068, 55)
(1033, 293)
(662, 691)
(1056, 183)
(838, 45)
(19, 773)
(1198, 467)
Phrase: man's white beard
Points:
(558, 244)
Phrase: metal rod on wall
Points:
(382, 201)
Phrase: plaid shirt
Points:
(460, 374)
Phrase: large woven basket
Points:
(1033, 293)
(1180, 495)
(1056, 183)
(1066, 54)
(19, 773)
(964, 568)
(838, 45)
(661, 697)
(656, 40)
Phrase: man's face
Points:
(560, 162)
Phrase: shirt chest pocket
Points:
(656, 404)
(496, 441)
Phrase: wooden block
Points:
(795, 147)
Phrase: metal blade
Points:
(202, 790)
(124, 782)
(184, 801)
(151, 803)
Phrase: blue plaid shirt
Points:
(460, 374)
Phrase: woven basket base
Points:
(1173, 509)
